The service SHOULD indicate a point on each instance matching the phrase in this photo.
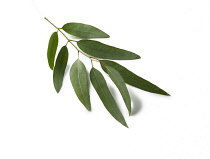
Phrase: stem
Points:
(91, 62)
(51, 23)
(66, 43)
(70, 41)
(102, 63)
(59, 29)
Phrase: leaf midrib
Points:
(127, 103)
(93, 33)
(100, 50)
(80, 83)
(143, 84)
(115, 78)
(104, 93)
(136, 81)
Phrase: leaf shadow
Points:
(89, 81)
(136, 102)
(67, 69)
(113, 91)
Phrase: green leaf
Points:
(59, 69)
(105, 95)
(103, 51)
(120, 83)
(84, 31)
(132, 79)
(52, 47)
(79, 80)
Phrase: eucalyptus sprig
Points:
(99, 52)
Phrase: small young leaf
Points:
(79, 80)
(120, 83)
(59, 69)
(84, 31)
(132, 79)
(103, 51)
(105, 95)
(52, 47)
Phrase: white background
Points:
(173, 39)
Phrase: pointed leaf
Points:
(52, 47)
(79, 80)
(120, 83)
(103, 51)
(59, 69)
(132, 79)
(84, 31)
(105, 95)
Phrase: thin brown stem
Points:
(51, 23)
(102, 63)
(71, 42)
(91, 62)
(67, 43)
(59, 29)
(81, 51)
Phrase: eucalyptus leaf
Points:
(59, 69)
(103, 51)
(105, 95)
(79, 80)
(132, 79)
(95, 51)
(52, 47)
(84, 31)
(120, 83)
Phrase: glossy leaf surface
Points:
(52, 47)
(103, 51)
(59, 69)
(120, 83)
(132, 79)
(79, 80)
(105, 95)
(84, 31)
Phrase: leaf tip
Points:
(138, 57)
(88, 107)
(51, 67)
(57, 90)
(126, 126)
(167, 94)
(107, 36)
(164, 93)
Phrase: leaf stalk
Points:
(71, 41)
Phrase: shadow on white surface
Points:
(136, 103)
(67, 70)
